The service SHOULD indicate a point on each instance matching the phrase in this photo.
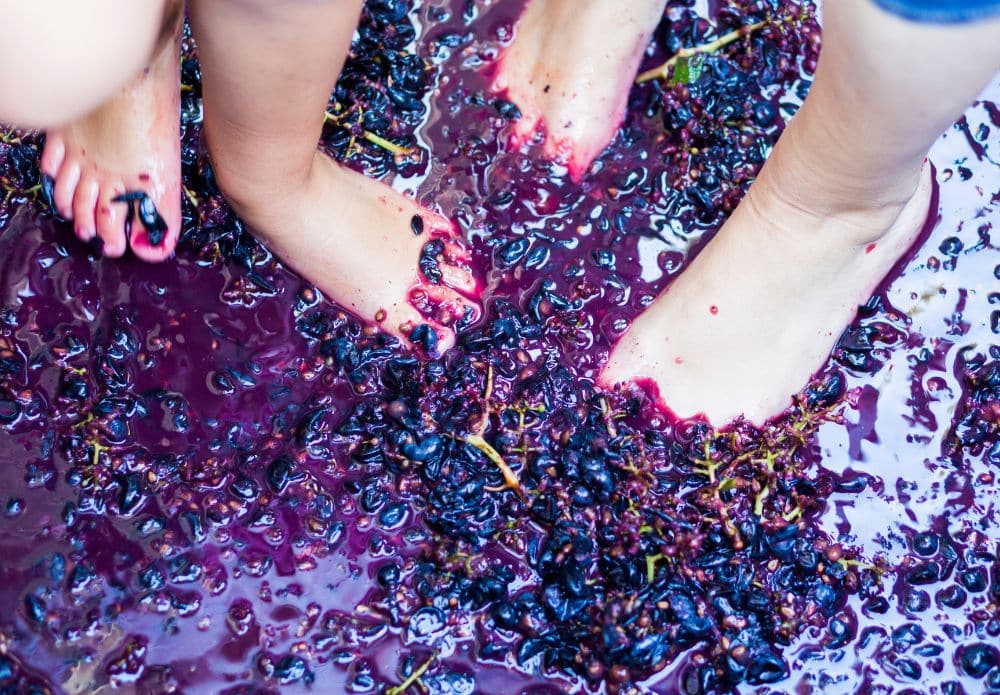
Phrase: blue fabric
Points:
(941, 11)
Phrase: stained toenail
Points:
(156, 226)
(48, 191)
(417, 224)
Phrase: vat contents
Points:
(214, 480)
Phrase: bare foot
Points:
(759, 310)
(131, 144)
(370, 249)
(570, 69)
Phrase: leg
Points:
(131, 142)
(572, 70)
(840, 200)
(269, 67)
(54, 71)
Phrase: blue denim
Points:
(941, 11)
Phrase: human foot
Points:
(369, 248)
(570, 69)
(129, 146)
(761, 307)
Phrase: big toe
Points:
(154, 236)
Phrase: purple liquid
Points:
(191, 559)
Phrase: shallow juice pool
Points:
(215, 480)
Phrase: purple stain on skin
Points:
(139, 203)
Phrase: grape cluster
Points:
(380, 91)
(976, 430)
(725, 114)
(616, 585)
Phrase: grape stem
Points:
(413, 677)
(663, 71)
(98, 448)
(651, 561)
(606, 412)
(509, 476)
(375, 139)
(9, 137)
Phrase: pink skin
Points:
(442, 305)
(268, 67)
(577, 99)
(131, 143)
(826, 220)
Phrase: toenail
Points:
(156, 226)
(48, 191)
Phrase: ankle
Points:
(794, 186)
(273, 207)
(812, 168)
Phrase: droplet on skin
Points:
(714, 309)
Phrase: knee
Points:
(54, 73)
(275, 10)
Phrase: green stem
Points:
(98, 448)
(412, 678)
(371, 137)
(663, 71)
(385, 144)
(651, 566)
(509, 476)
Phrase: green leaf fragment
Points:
(688, 69)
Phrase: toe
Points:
(111, 220)
(445, 338)
(405, 319)
(456, 252)
(168, 207)
(84, 203)
(523, 131)
(442, 304)
(458, 279)
(65, 190)
(53, 154)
